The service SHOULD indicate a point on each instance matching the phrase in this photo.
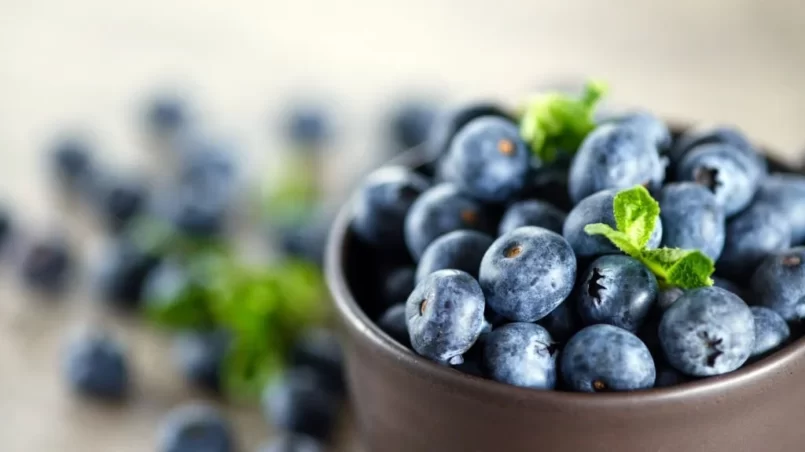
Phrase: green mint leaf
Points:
(686, 269)
(618, 238)
(636, 214)
(554, 123)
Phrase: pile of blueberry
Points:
(489, 257)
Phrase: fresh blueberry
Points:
(200, 355)
(6, 226)
(393, 322)
(777, 284)
(771, 331)
(550, 185)
(786, 192)
(521, 354)
(457, 250)
(308, 126)
(95, 365)
(617, 290)
(382, 203)
(73, 163)
(445, 315)
(668, 376)
(527, 273)
(195, 428)
(597, 208)
(707, 331)
(440, 210)
(306, 240)
(290, 442)
(563, 322)
(120, 200)
(604, 358)
(532, 212)
(411, 123)
(615, 156)
(751, 236)
(646, 124)
(729, 286)
(166, 114)
(299, 402)
(193, 214)
(667, 297)
(729, 175)
(488, 160)
(123, 270)
(473, 360)
(450, 121)
(46, 265)
(728, 135)
(320, 350)
(397, 285)
(692, 219)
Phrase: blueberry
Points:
(604, 358)
(527, 273)
(300, 403)
(6, 226)
(617, 290)
(382, 203)
(122, 273)
(648, 125)
(306, 240)
(488, 160)
(96, 366)
(691, 218)
(393, 322)
(200, 355)
(728, 135)
(615, 156)
(450, 121)
(562, 323)
(729, 286)
(397, 285)
(440, 210)
(751, 236)
(786, 192)
(445, 315)
(195, 428)
(521, 354)
(73, 163)
(771, 331)
(707, 331)
(166, 114)
(668, 376)
(290, 442)
(729, 175)
(597, 208)
(550, 185)
(320, 350)
(777, 284)
(308, 126)
(120, 200)
(667, 297)
(46, 265)
(532, 212)
(457, 250)
(411, 123)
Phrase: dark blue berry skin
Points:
(728, 135)
(604, 358)
(397, 285)
(771, 331)
(488, 160)
(200, 355)
(308, 126)
(786, 192)
(73, 163)
(521, 354)
(393, 322)
(667, 376)
(46, 265)
(532, 212)
(96, 366)
(120, 200)
(729, 175)
(440, 210)
(617, 290)
(527, 273)
(692, 219)
(166, 114)
(306, 240)
(777, 284)
(550, 185)
(382, 203)
(648, 125)
(707, 331)
(320, 350)
(751, 236)
(195, 428)
(445, 315)
(290, 442)
(450, 121)
(123, 272)
(457, 250)
(411, 123)
(597, 208)
(6, 226)
(615, 156)
(667, 297)
(299, 402)
(730, 286)
(562, 323)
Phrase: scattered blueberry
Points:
(527, 273)
(597, 208)
(123, 270)
(291, 442)
(166, 114)
(450, 121)
(521, 354)
(692, 219)
(120, 201)
(308, 126)
(46, 265)
(604, 358)
(440, 210)
(195, 428)
(532, 212)
(751, 236)
(777, 284)
(457, 250)
(5, 226)
(411, 123)
(562, 323)
(771, 331)
(393, 322)
(445, 315)
(96, 366)
(200, 355)
(73, 163)
(300, 403)
(707, 331)
(786, 192)
(320, 350)
(306, 240)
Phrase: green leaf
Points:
(686, 269)
(636, 214)
(554, 123)
(617, 238)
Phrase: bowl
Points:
(405, 403)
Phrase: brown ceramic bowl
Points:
(405, 403)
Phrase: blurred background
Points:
(92, 66)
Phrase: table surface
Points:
(87, 63)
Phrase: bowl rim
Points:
(355, 319)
